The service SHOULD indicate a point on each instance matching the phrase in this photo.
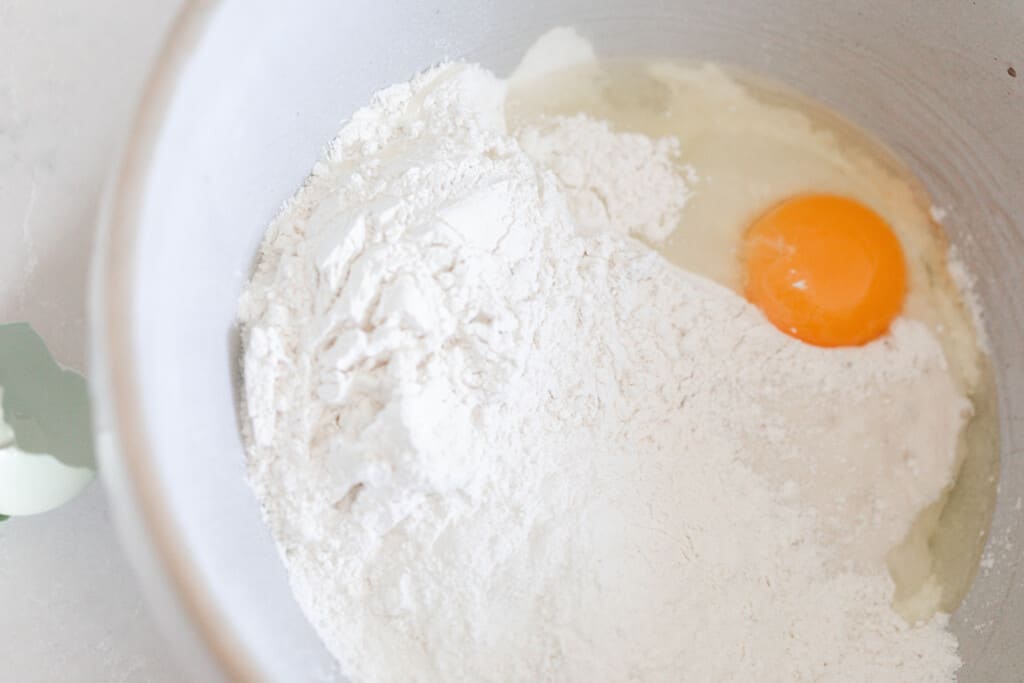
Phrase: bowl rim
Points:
(116, 387)
(128, 471)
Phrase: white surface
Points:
(70, 72)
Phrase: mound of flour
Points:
(612, 181)
(493, 447)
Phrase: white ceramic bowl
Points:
(246, 94)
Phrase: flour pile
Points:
(495, 447)
(613, 182)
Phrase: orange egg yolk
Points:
(825, 269)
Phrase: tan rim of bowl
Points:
(113, 269)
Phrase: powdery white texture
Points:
(559, 48)
(614, 181)
(494, 448)
(967, 285)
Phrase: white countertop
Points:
(70, 73)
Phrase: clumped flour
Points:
(613, 182)
(497, 438)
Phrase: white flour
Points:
(493, 447)
(613, 182)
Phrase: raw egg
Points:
(825, 269)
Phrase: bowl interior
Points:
(253, 91)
